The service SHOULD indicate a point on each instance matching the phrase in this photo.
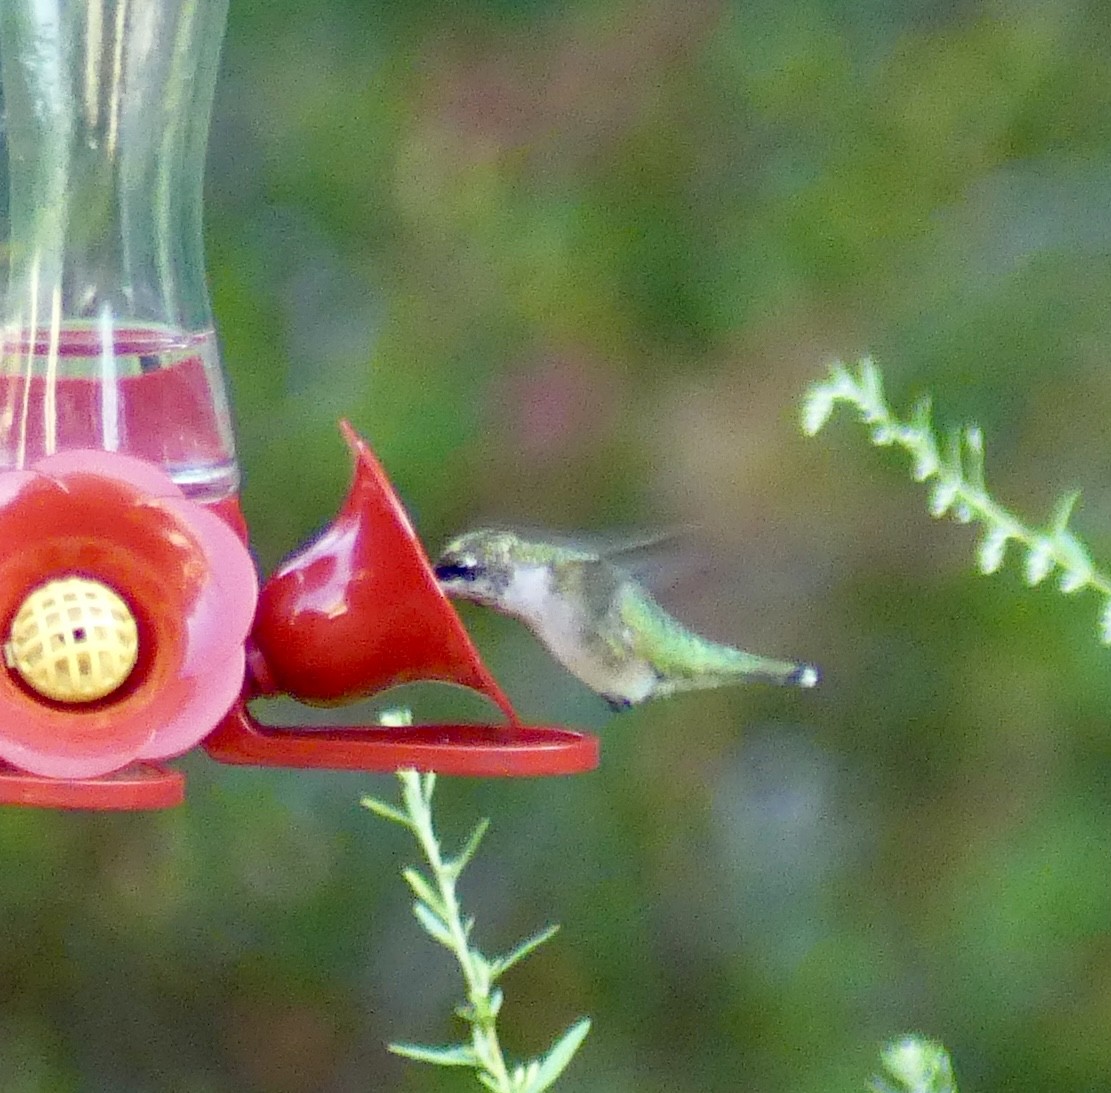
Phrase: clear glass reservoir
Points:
(106, 333)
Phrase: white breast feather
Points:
(558, 623)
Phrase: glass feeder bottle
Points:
(106, 333)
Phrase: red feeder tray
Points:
(139, 786)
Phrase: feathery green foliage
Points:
(955, 471)
(438, 912)
(914, 1064)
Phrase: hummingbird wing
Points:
(660, 560)
(659, 556)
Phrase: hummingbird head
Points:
(480, 566)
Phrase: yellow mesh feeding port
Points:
(73, 640)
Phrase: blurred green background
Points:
(572, 264)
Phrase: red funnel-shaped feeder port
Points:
(358, 611)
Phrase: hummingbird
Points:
(598, 621)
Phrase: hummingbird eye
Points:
(464, 569)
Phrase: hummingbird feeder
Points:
(132, 623)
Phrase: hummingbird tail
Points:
(782, 673)
(805, 675)
(744, 668)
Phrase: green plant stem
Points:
(416, 792)
(954, 471)
(437, 910)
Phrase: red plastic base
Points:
(139, 786)
(479, 751)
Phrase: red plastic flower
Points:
(183, 573)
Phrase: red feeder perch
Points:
(131, 622)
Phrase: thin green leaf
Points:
(816, 409)
(871, 384)
(423, 890)
(433, 925)
(943, 495)
(428, 786)
(482, 971)
(992, 549)
(411, 795)
(562, 1052)
(501, 964)
(470, 848)
(1062, 511)
(529, 1075)
(918, 438)
(1039, 561)
(926, 460)
(387, 812)
(1074, 554)
(842, 385)
(491, 1082)
(1072, 580)
(954, 454)
(451, 1055)
(974, 456)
